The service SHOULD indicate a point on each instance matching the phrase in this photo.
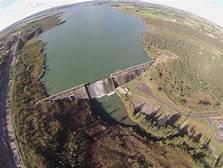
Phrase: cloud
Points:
(210, 9)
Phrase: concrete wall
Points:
(119, 78)
(78, 92)
(102, 87)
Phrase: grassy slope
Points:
(196, 71)
(26, 89)
(193, 79)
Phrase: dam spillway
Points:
(101, 87)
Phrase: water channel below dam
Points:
(95, 41)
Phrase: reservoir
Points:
(94, 42)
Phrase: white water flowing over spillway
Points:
(101, 88)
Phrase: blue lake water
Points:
(93, 42)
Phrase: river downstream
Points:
(94, 42)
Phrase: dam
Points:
(89, 60)
(92, 48)
(101, 87)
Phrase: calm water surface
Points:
(94, 42)
(114, 108)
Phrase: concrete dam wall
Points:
(124, 76)
(101, 87)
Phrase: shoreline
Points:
(41, 69)
(14, 108)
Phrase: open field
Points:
(185, 78)
(151, 11)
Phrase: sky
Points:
(15, 10)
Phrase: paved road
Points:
(194, 114)
(210, 116)
(8, 152)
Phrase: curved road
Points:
(8, 153)
(193, 114)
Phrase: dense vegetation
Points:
(26, 89)
(67, 133)
(167, 131)
(197, 47)
(70, 133)
(4, 53)
(187, 53)
(178, 78)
